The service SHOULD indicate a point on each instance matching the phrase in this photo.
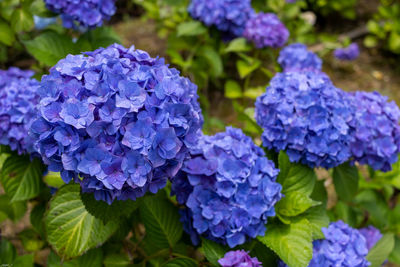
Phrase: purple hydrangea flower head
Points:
(349, 53)
(266, 30)
(376, 140)
(229, 188)
(239, 258)
(121, 120)
(228, 16)
(18, 108)
(304, 114)
(372, 235)
(296, 57)
(85, 13)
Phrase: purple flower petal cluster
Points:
(372, 235)
(349, 53)
(376, 140)
(304, 114)
(266, 30)
(296, 57)
(229, 187)
(18, 108)
(239, 258)
(121, 120)
(228, 16)
(86, 13)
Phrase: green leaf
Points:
(263, 253)
(381, 251)
(181, 262)
(294, 203)
(292, 243)
(36, 218)
(96, 38)
(26, 260)
(295, 177)
(233, 89)
(395, 255)
(116, 260)
(13, 211)
(214, 60)
(318, 218)
(49, 47)
(394, 42)
(345, 179)
(238, 45)
(31, 240)
(244, 68)
(7, 252)
(213, 251)
(191, 28)
(92, 258)
(254, 92)
(319, 193)
(161, 220)
(21, 177)
(21, 20)
(6, 34)
(105, 212)
(53, 179)
(71, 229)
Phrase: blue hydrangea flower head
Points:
(371, 235)
(348, 53)
(376, 140)
(239, 258)
(121, 120)
(296, 57)
(228, 16)
(18, 108)
(85, 13)
(228, 187)
(266, 30)
(304, 114)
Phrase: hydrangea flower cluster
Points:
(296, 57)
(87, 13)
(18, 108)
(229, 187)
(371, 235)
(349, 53)
(121, 120)
(306, 115)
(266, 30)
(239, 258)
(376, 140)
(229, 16)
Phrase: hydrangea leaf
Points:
(395, 255)
(26, 260)
(238, 45)
(191, 28)
(21, 20)
(161, 220)
(292, 243)
(233, 89)
(53, 179)
(93, 257)
(7, 251)
(99, 37)
(295, 177)
(6, 34)
(213, 251)
(318, 218)
(381, 251)
(244, 68)
(116, 260)
(295, 203)
(13, 211)
(71, 229)
(263, 253)
(21, 177)
(214, 59)
(180, 262)
(345, 179)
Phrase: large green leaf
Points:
(292, 243)
(21, 177)
(238, 45)
(318, 218)
(381, 251)
(295, 177)
(24, 261)
(71, 229)
(96, 38)
(6, 34)
(181, 262)
(295, 203)
(345, 179)
(13, 211)
(22, 20)
(161, 219)
(190, 28)
(395, 255)
(116, 260)
(49, 47)
(213, 251)
(92, 258)
(7, 252)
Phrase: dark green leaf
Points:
(116, 260)
(395, 255)
(99, 37)
(7, 252)
(263, 253)
(381, 251)
(6, 34)
(213, 251)
(24, 261)
(319, 193)
(31, 240)
(13, 211)
(181, 262)
(190, 28)
(36, 218)
(345, 178)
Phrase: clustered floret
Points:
(228, 16)
(239, 258)
(229, 187)
(304, 114)
(266, 30)
(121, 120)
(348, 53)
(18, 108)
(371, 235)
(376, 140)
(87, 13)
(296, 57)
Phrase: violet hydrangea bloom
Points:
(119, 119)
(18, 108)
(296, 57)
(376, 140)
(86, 13)
(304, 114)
(266, 30)
(239, 258)
(229, 188)
(372, 235)
(228, 16)
(348, 53)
